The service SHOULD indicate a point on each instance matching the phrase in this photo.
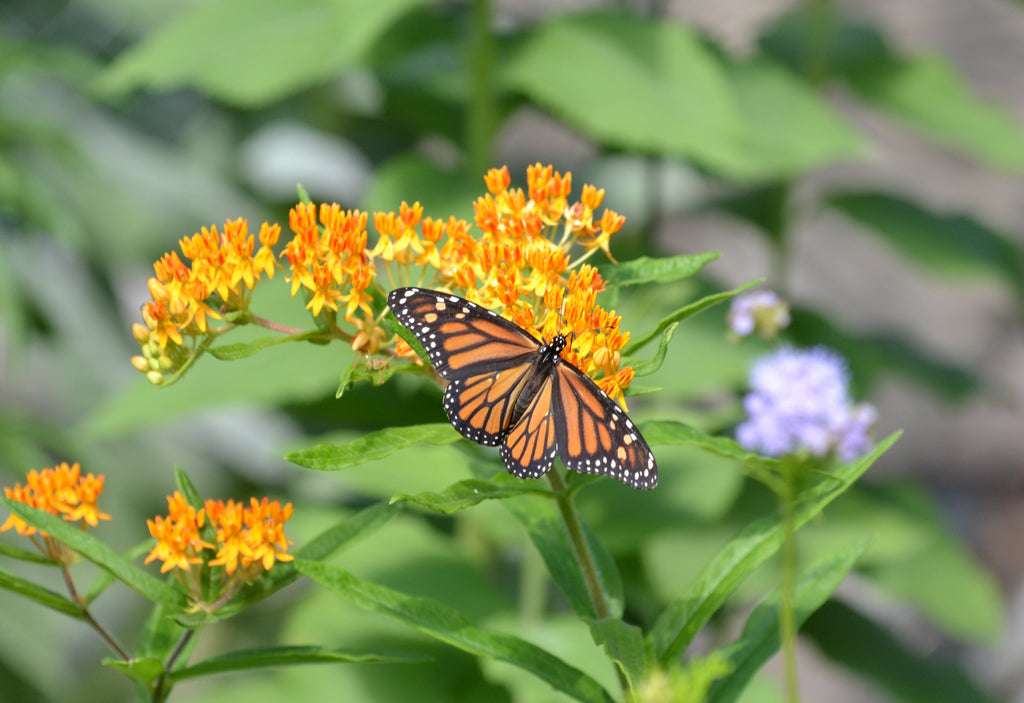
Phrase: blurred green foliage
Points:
(124, 127)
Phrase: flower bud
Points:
(140, 363)
(155, 377)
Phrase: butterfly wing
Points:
(594, 435)
(530, 446)
(486, 359)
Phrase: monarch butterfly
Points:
(507, 388)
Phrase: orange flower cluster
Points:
(184, 296)
(521, 264)
(245, 540)
(63, 491)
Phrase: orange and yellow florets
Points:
(524, 259)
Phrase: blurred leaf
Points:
(856, 642)
(633, 83)
(872, 355)
(790, 129)
(98, 553)
(684, 617)
(625, 646)
(760, 639)
(930, 94)
(549, 534)
(448, 625)
(656, 270)
(374, 445)
(254, 52)
(670, 432)
(187, 488)
(43, 596)
(765, 207)
(681, 314)
(952, 245)
(468, 493)
(289, 656)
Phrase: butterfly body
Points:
(506, 388)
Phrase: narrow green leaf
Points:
(656, 270)
(105, 579)
(760, 639)
(375, 445)
(290, 656)
(212, 46)
(161, 635)
(646, 368)
(448, 625)
(547, 530)
(241, 350)
(9, 550)
(851, 639)
(44, 596)
(950, 245)
(391, 324)
(685, 616)
(363, 368)
(681, 314)
(144, 670)
(676, 433)
(187, 488)
(98, 553)
(625, 646)
(470, 492)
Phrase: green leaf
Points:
(392, 325)
(684, 617)
(466, 494)
(105, 579)
(930, 94)
(254, 52)
(375, 445)
(98, 553)
(851, 639)
(145, 670)
(549, 534)
(790, 129)
(949, 245)
(646, 368)
(23, 555)
(681, 314)
(289, 656)
(448, 625)
(161, 635)
(375, 370)
(241, 350)
(44, 596)
(656, 270)
(626, 647)
(633, 83)
(760, 639)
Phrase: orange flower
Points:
(61, 491)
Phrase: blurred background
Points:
(865, 158)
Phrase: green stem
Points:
(821, 21)
(585, 559)
(480, 113)
(787, 616)
(80, 602)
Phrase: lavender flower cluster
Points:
(799, 400)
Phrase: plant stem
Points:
(80, 602)
(787, 617)
(585, 558)
(480, 111)
(160, 689)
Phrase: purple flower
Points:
(799, 400)
(761, 311)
